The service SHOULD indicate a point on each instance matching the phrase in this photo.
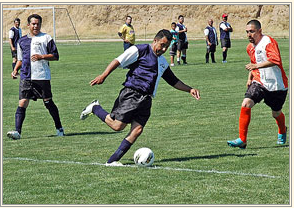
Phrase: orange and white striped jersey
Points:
(272, 78)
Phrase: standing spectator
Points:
(35, 50)
(266, 80)
(14, 36)
(127, 33)
(225, 35)
(211, 41)
(174, 43)
(133, 105)
(183, 41)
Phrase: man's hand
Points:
(98, 80)
(249, 82)
(195, 93)
(36, 57)
(14, 74)
(251, 67)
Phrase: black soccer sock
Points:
(13, 65)
(224, 55)
(100, 112)
(20, 115)
(207, 57)
(184, 58)
(212, 57)
(119, 153)
(53, 110)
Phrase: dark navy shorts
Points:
(132, 105)
(274, 99)
(225, 43)
(211, 48)
(182, 45)
(173, 49)
(34, 89)
(14, 53)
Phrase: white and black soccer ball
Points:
(144, 157)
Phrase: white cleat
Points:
(88, 110)
(60, 132)
(13, 135)
(114, 164)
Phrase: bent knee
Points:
(248, 103)
(119, 127)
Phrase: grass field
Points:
(193, 164)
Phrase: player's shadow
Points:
(88, 133)
(282, 146)
(204, 157)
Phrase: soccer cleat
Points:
(172, 64)
(13, 135)
(185, 63)
(114, 164)
(237, 143)
(88, 110)
(224, 61)
(60, 132)
(179, 63)
(282, 138)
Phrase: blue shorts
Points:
(132, 105)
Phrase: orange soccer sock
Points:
(244, 120)
(280, 120)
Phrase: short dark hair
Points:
(128, 17)
(180, 16)
(36, 16)
(16, 20)
(164, 33)
(256, 23)
(173, 23)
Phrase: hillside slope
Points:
(103, 21)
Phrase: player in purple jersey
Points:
(146, 66)
(35, 50)
(14, 35)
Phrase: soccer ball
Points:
(144, 157)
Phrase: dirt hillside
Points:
(103, 21)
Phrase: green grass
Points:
(186, 136)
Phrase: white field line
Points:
(155, 167)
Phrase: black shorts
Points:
(182, 45)
(173, 49)
(132, 105)
(211, 48)
(225, 43)
(274, 99)
(34, 89)
(14, 53)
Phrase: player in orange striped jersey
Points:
(267, 81)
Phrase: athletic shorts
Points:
(132, 105)
(34, 89)
(182, 45)
(211, 48)
(173, 49)
(274, 99)
(225, 43)
(14, 53)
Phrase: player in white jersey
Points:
(35, 50)
(267, 81)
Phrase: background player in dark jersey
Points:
(133, 105)
(14, 35)
(183, 41)
(35, 50)
(225, 36)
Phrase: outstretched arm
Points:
(100, 78)
(183, 87)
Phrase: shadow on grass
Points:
(197, 158)
(88, 133)
(282, 146)
(205, 157)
